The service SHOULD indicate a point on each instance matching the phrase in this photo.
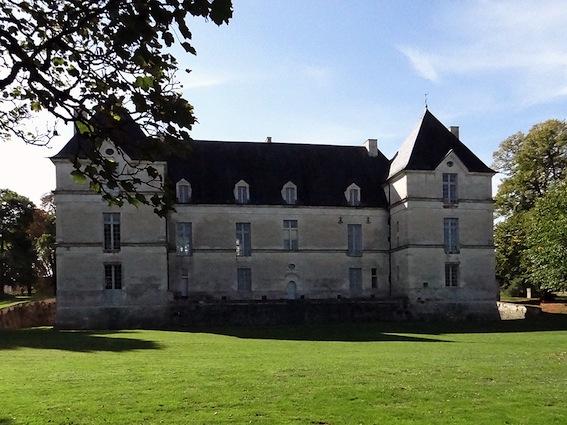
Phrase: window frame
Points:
(111, 231)
(451, 242)
(242, 192)
(289, 193)
(183, 192)
(243, 232)
(244, 279)
(450, 188)
(290, 235)
(184, 238)
(355, 280)
(113, 277)
(452, 275)
(354, 240)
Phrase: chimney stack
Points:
(269, 139)
(455, 130)
(372, 146)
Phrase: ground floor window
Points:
(451, 274)
(355, 280)
(244, 279)
(113, 276)
(374, 277)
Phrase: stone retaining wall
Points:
(28, 315)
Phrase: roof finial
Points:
(426, 106)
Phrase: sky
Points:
(343, 71)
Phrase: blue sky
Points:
(340, 72)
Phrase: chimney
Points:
(269, 139)
(372, 146)
(455, 130)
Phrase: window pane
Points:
(242, 194)
(244, 279)
(290, 235)
(290, 195)
(450, 195)
(243, 240)
(451, 235)
(183, 236)
(355, 280)
(111, 230)
(451, 274)
(354, 239)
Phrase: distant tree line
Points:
(531, 208)
(27, 241)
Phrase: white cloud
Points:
(522, 44)
(422, 62)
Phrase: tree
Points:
(531, 164)
(546, 251)
(16, 251)
(42, 235)
(68, 57)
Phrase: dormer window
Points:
(289, 193)
(183, 192)
(352, 195)
(242, 192)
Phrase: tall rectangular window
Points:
(113, 276)
(111, 231)
(355, 280)
(290, 195)
(183, 193)
(243, 240)
(242, 194)
(354, 240)
(354, 197)
(244, 279)
(290, 235)
(451, 235)
(374, 277)
(451, 274)
(450, 194)
(183, 238)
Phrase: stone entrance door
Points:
(291, 290)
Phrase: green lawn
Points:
(479, 373)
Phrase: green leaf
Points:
(83, 128)
(78, 177)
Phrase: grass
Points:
(421, 373)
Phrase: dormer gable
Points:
(183, 191)
(289, 193)
(242, 192)
(353, 195)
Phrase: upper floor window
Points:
(450, 194)
(289, 193)
(451, 235)
(183, 192)
(290, 242)
(243, 240)
(112, 276)
(354, 245)
(183, 238)
(111, 230)
(352, 195)
(242, 192)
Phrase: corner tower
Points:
(441, 212)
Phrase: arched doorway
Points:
(291, 290)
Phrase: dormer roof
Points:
(427, 145)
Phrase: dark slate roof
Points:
(321, 173)
(428, 144)
(125, 133)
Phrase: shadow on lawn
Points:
(389, 331)
(80, 341)
(6, 421)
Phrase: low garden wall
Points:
(28, 315)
